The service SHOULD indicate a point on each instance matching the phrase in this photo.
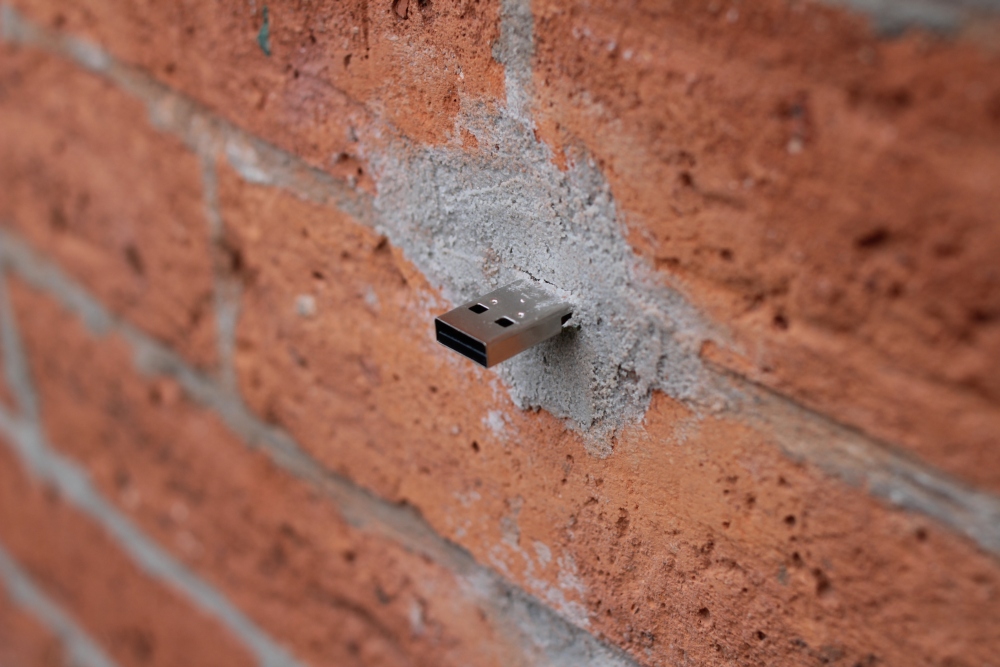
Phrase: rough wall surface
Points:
(771, 439)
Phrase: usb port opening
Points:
(462, 343)
(503, 323)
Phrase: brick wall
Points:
(228, 437)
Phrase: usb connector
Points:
(503, 323)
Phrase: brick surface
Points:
(138, 621)
(90, 183)
(696, 541)
(333, 594)
(24, 641)
(824, 197)
(827, 197)
(330, 64)
(7, 399)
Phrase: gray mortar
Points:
(802, 434)
(891, 17)
(81, 650)
(474, 222)
(547, 639)
(23, 432)
(523, 205)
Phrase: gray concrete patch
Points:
(474, 222)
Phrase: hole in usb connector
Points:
(565, 318)
(462, 343)
(478, 308)
(505, 322)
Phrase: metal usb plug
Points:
(505, 322)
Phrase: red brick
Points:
(6, 395)
(138, 621)
(89, 182)
(274, 545)
(696, 540)
(826, 197)
(330, 63)
(24, 641)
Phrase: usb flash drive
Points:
(503, 323)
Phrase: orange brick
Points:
(6, 395)
(138, 621)
(828, 198)
(409, 62)
(24, 640)
(89, 182)
(273, 544)
(695, 540)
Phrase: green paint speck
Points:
(264, 36)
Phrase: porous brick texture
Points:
(238, 443)
(6, 395)
(823, 193)
(84, 571)
(266, 539)
(310, 80)
(24, 640)
(646, 536)
(87, 179)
